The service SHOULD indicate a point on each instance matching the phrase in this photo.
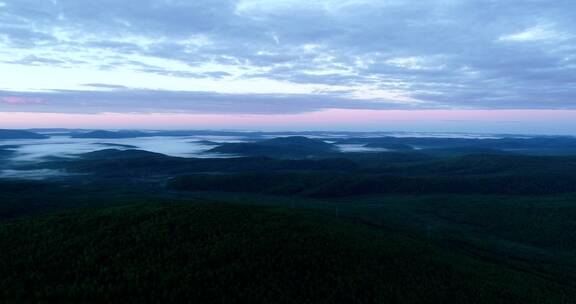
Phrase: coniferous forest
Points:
(294, 220)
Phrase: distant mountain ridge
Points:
(293, 146)
(111, 134)
(20, 134)
(110, 154)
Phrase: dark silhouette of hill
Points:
(390, 146)
(471, 174)
(295, 146)
(465, 150)
(111, 134)
(207, 142)
(5, 153)
(115, 154)
(532, 145)
(114, 145)
(139, 163)
(20, 134)
(348, 175)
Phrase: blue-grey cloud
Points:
(514, 54)
(119, 99)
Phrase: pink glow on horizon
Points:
(531, 121)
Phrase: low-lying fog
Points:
(65, 146)
(33, 150)
(37, 150)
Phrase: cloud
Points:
(397, 53)
(16, 100)
(112, 98)
(535, 34)
(104, 86)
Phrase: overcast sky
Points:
(285, 57)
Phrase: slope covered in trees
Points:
(230, 254)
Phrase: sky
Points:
(427, 65)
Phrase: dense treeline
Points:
(142, 163)
(471, 164)
(536, 143)
(345, 175)
(133, 163)
(341, 185)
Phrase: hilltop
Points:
(293, 146)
